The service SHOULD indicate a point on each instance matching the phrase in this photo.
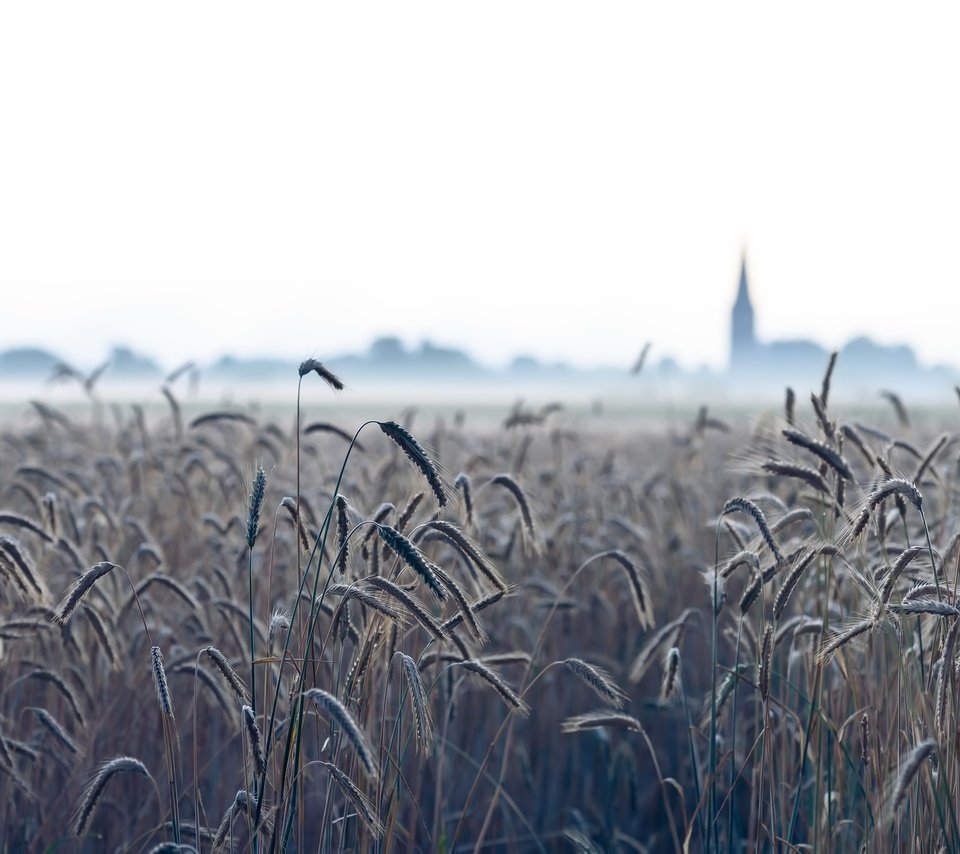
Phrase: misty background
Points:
(551, 181)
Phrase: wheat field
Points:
(236, 632)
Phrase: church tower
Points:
(742, 339)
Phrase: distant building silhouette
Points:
(743, 341)
(862, 362)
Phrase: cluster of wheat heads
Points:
(226, 634)
(221, 634)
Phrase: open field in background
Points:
(501, 639)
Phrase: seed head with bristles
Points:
(93, 790)
(599, 681)
(865, 739)
(366, 811)
(81, 587)
(55, 729)
(354, 735)
(412, 557)
(279, 622)
(510, 697)
(256, 740)
(896, 486)
(671, 676)
(526, 513)
(462, 544)
(638, 589)
(908, 771)
(766, 661)
(423, 726)
(415, 452)
(343, 530)
(229, 674)
(791, 582)
(160, 680)
(827, 454)
(413, 605)
(597, 720)
(745, 505)
(257, 492)
(464, 485)
(327, 376)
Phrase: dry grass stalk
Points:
(160, 680)
(896, 486)
(751, 593)
(411, 603)
(598, 680)
(368, 599)
(908, 771)
(484, 602)
(741, 558)
(789, 406)
(415, 452)
(326, 375)
(808, 475)
(470, 618)
(290, 505)
(228, 673)
(327, 427)
(947, 661)
(53, 727)
(279, 622)
(828, 374)
(81, 587)
(823, 419)
(94, 789)
(865, 739)
(414, 558)
(222, 415)
(641, 601)
(51, 678)
(745, 505)
(17, 521)
(831, 457)
(930, 456)
(596, 720)
(670, 685)
(462, 543)
(492, 678)
(766, 662)
(255, 739)
(258, 492)
(791, 581)
(896, 570)
(898, 407)
(924, 606)
(463, 483)
(241, 805)
(423, 725)
(12, 551)
(526, 513)
(366, 811)
(666, 634)
(850, 432)
(343, 719)
(842, 638)
(408, 512)
(343, 531)
(103, 634)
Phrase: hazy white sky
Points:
(563, 179)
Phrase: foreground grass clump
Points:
(229, 635)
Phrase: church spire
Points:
(742, 339)
(743, 292)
